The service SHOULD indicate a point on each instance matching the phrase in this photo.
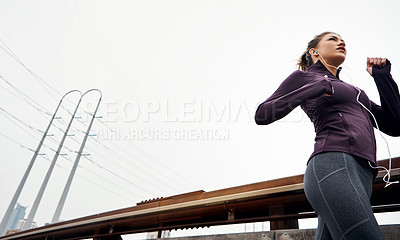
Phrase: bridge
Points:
(280, 201)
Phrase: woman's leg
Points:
(339, 190)
(322, 231)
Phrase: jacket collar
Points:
(318, 67)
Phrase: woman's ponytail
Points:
(303, 63)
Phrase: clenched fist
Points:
(377, 62)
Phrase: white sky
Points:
(171, 67)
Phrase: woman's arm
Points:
(290, 94)
(388, 114)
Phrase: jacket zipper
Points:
(371, 128)
(346, 127)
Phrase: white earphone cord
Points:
(385, 178)
(325, 61)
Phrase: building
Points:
(17, 214)
(21, 224)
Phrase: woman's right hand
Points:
(333, 90)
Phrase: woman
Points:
(339, 175)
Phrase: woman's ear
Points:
(312, 51)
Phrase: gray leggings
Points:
(339, 189)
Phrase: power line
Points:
(24, 100)
(118, 156)
(37, 108)
(116, 175)
(12, 140)
(94, 183)
(125, 169)
(105, 179)
(73, 151)
(19, 120)
(25, 96)
(98, 185)
(113, 162)
(66, 156)
(28, 126)
(114, 153)
(9, 118)
(40, 80)
(151, 158)
(29, 100)
(101, 167)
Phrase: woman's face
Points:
(332, 48)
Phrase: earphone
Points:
(385, 178)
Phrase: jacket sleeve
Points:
(388, 114)
(293, 91)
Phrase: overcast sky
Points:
(180, 82)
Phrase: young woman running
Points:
(340, 171)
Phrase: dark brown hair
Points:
(305, 60)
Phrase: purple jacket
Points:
(340, 122)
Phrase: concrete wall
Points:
(391, 232)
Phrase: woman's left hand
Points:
(377, 62)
